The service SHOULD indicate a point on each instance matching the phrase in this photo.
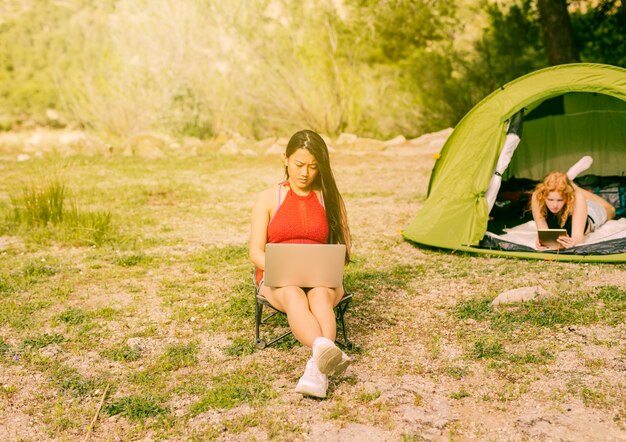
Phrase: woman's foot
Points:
(313, 382)
(581, 165)
(329, 358)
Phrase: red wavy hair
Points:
(556, 182)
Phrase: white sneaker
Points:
(342, 365)
(313, 382)
(581, 165)
(329, 358)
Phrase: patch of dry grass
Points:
(164, 316)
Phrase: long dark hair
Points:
(339, 232)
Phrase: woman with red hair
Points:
(558, 203)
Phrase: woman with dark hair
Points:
(558, 203)
(305, 208)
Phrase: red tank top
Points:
(299, 219)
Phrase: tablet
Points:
(547, 237)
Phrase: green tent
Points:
(573, 110)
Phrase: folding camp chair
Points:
(261, 301)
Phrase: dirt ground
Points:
(413, 377)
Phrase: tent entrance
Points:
(559, 130)
(555, 133)
(510, 225)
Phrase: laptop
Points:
(304, 265)
(548, 237)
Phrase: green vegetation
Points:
(97, 65)
(42, 341)
(121, 353)
(567, 309)
(162, 315)
(42, 212)
(232, 389)
(136, 408)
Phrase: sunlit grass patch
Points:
(457, 372)
(241, 302)
(69, 380)
(133, 259)
(4, 348)
(249, 384)
(42, 341)
(7, 285)
(137, 408)
(121, 353)
(178, 356)
(613, 298)
(40, 205)
(492, 348)
(35, 269)
(366, 396)
(240, 347)
(476, 309)
(566, 309)
(72, 316)
(487, 348)
(19, 314)
(43, 212)
(460, 394)
(155, 376)
(64, 414)
(232, 257)
(601, 394)
(368, 282)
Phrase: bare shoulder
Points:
(267, 198)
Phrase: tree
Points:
(601, 33)
(558, 37)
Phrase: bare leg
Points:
(309, 315)
(293, 301)
(610, 210)
(322, 300)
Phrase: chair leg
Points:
(341, 308)
(258, 317)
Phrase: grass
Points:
(122, 353)
(246, 385)
(43, 212)
(160, 307)
(579, 308)
(136, 408)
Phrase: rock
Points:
(275, 149)
(229, 148)
(69, 138)
(521, 294)
(248, 153)
(395, 141)
(369, 144)
(147, 145)
(346, 140)
(191, 145)
(52, 115)
(266, 143)
(432, 142)
(278, 147)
